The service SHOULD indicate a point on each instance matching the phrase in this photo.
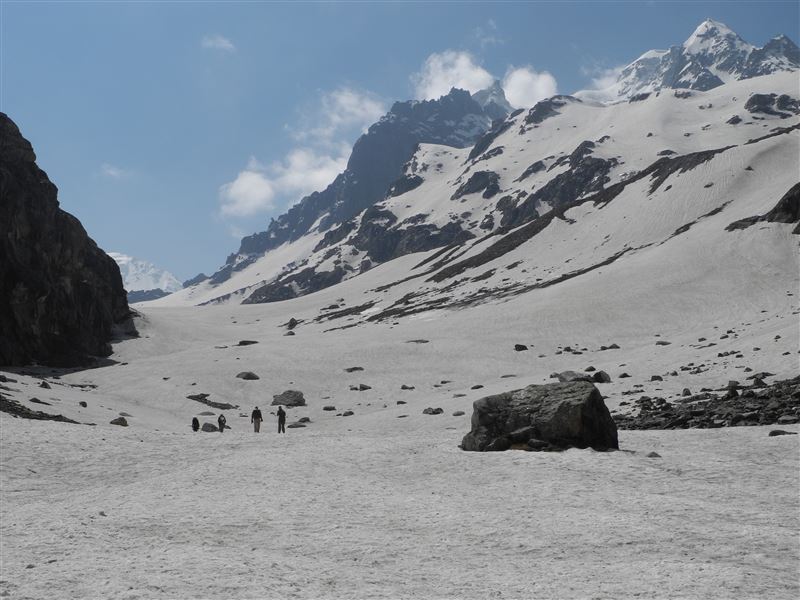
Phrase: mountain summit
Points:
(713, 55)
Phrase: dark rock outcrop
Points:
(62, 298)
(787, 210)
(756, 404)
(289, 398)
(556, 415)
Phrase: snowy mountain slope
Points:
(711, 56)
(456, 119)
(143, 280)
(550, 157)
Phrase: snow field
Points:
(378, 513)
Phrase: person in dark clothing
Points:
(195, 424)
(281, 420)
(256, 419)
(221, 421)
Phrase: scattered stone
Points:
(348, 413)
(248, 375)
(44, 385)
(417, 341)
(292, 323)
(663, 343)
(776, 432)
(566, 376)
(304, 420)
(363, 387)
(289, 333)
(354, 369)
(295, 425)
(590, 369)
(656, 378)
(246, 342)
(476, 387)
(401, 402)
(458, 413)
(623, 375)
(209, 428)
(407, 387)
(82, 403)
(561, 414)
(329, 407)
(203, 398)
(37, 401)
(601, 377)
(520, 347)
(289, 398)
(120, 421)
(653, 455)
(686, 392)
(432, 411)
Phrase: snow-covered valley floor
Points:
(383, 504)
(99, 513)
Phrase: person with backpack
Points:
(221, 422)
(281, 420)
(195, 424)
(256, 419)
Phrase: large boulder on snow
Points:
(558, 414)
(289, 398)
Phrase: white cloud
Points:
(524, 86)
(251, 192)
(302, 171)
(603, 84)
(487, 35)
(324, 142)
(339, 111)
(446, 70)
(218, 42)
(114, 172)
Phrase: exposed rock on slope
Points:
(62, 297)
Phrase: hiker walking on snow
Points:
(195, 424)
(221, 421)
(256, 419)
(281, 420)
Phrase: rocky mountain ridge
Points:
(711, 56)
(456, 119)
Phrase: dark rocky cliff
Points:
(61, 297)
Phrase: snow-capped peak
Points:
(713, 36)
(142, 275)
(712, 56)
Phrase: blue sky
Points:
(172, 128)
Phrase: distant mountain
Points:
(711, 56)
(377, 160)
(61, 297)
(480, 200)
(143, 280)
